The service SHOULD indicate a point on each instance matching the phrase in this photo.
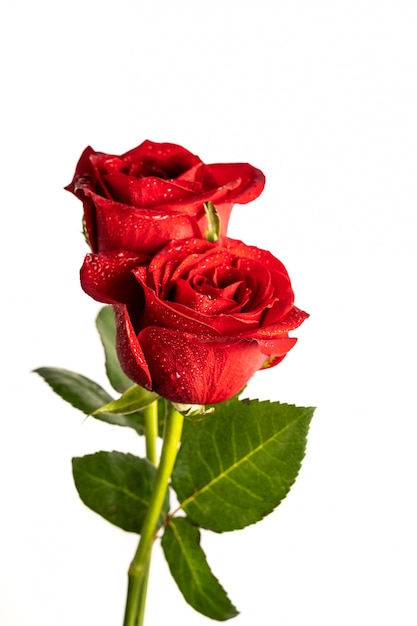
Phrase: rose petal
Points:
(237, 182)
(168, 156)
(108, 277)
(278, 347)
(187, 370)
(129, 351)
(292, 320)
(124, 227)
(170, 315)
(151, 191)
(84, 172)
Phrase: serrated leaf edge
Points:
(181, 546)
(243, 459)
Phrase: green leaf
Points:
(117, 486)
(107, 330)
(134, 399)
(87, 396)
(83, 393)
(191, 572)
(236, 466)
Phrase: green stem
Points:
(151, 431)
(138, 571)
(140, 615)
(151, 436)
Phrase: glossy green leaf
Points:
(86, 395)
(191, 572)
(235, 466)
(117, 486)
(134, 399)
(107, 330)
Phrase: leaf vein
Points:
(236, 465)
(190, 567)
(116, 487)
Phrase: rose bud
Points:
(155, 193)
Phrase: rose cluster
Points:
(195, 319)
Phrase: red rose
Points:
(196, 321)
(155, 193)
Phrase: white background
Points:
(322, 96)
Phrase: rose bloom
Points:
(197, 320)
(155, 193)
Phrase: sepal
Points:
(134, 399)
(213, 219)
(193, 410)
